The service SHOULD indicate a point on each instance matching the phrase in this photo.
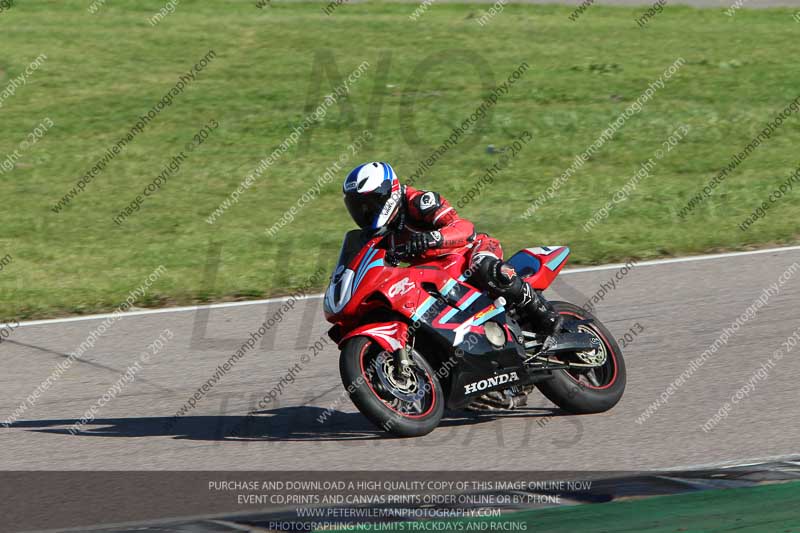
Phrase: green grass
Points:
(106, 69)
(761, 509)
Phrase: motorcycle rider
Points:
(430, 227)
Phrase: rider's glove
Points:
(419, 242)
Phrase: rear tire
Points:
(571, 390)
(373, 397)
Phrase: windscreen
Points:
(341, 286)
(354, 241)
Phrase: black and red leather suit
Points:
(424, 212)
(431, 227)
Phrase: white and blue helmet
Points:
(372, 194)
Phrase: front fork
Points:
(393, 337)
(402, 362)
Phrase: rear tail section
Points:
(540, 266)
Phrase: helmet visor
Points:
(364, 208)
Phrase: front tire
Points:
(411, 408)
(595, 390)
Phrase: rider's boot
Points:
(539, 313)
(533, 308)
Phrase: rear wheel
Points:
(405, 406)
(587, 390)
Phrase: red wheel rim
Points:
(610, 350)
(369, 384)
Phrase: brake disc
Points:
(407, 391)
(596, 357)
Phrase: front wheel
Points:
(405, 406)
(587, 390)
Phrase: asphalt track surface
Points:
(682, 307)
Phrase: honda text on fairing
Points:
(418, 338)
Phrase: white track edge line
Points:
(598, 268)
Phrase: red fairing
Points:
(427, 211)
(364, 286)
(552, 261)
(391, 336)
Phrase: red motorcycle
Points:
(418, 338)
